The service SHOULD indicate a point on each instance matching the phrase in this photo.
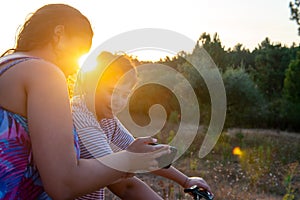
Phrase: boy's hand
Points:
(200, 182)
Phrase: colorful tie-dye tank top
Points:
(19, 178)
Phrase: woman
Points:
(107, 133)
(38, 147)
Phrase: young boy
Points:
(103, 134)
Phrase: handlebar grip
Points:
(199, 193)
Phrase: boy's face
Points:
(121, 95)
(112, 94)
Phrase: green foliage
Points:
(290, 114)
(240, 136)
(171, 136)
(255, 162)
(290, 108)
(192, 75)
(292, 81)
(262, 85)
(271, 61)
(193, 163)
(290, 191)
(295, 14)
(149, 95)
(245, 102)
(239, 56)
(174, 117)
(214, 47)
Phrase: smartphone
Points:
(165, 161)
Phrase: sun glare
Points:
(141, 55)
(82, 59)
(87, 65)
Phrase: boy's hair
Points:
(107, 63)
(114, 64)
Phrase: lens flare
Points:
(237, 151)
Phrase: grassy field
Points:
(267, 166)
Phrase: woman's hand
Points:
(142, 145)
(143, 155)
(140, 156)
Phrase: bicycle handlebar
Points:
(199, 193)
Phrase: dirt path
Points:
(266, 132)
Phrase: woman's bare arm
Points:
(50, 127)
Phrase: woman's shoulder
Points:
(43, 67)
(37, 72)
(30, 66)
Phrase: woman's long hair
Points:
(38, 29)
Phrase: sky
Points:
(235, 21)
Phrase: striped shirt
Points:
(98, 139)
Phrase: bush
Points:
(246, 105)
(290, 109)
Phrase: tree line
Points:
(262, 85)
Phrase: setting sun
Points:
(82, 59)
(87, 65)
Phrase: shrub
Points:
(246, 105)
